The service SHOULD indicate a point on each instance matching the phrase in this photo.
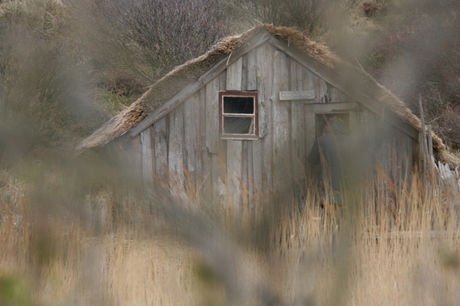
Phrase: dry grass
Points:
(286, 257)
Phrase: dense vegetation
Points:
(77, 231)
(282, 257)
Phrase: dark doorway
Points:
(321, 120)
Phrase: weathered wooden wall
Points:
(389, 147)
(184, 150)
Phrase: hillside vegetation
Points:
(79, 231)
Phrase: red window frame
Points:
(254, 135)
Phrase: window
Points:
(238, 115)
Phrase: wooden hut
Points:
(242, 117)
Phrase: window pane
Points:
(236, 125)
(239, 105)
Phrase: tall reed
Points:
(386, 250)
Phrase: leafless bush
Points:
(415, 52)
(309, 16)
(443, 115)
(43, 94)
(151, 37)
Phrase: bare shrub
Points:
(309, 16)
(149, 38)
(43, 95)
(412, 49)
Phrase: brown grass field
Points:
(405, 252)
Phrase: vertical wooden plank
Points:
(393, 159)
(423, 141)
(244, 183)
(252, 70)
(321, 90)
(175, 150)
(300, 113)
(234, 172)
(257, 167)
(310, 136)
(385, 153)
(190, 137)
(212, 115)
(430, 142)
(402, 158)
(199, 112)
(244, 72)
(206, 176)
(297, 129)
(410, 161)
(135, 157)
(358, 137)
(368, 132)
(336, 95)
(355, 123)
(374, 134)
(308, 83)
(308, 80)
(281, 125)
(263, 155)
(234, 147)
(160, 141)
(234, 75)
(371, 122)
(217, 159)
(341, 97)
(219, 186)
(135, 152)
(254, 168)
(250, 172)
(147, 158)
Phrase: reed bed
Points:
(379, 249)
